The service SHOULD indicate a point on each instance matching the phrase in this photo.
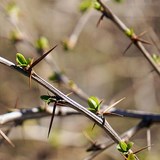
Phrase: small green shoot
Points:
(94, 104)
(15, 36)
(42, 44)
(22, 61)
(124, 147)
(85, 5)
(28, 64)
(135, 38)
(56, 77)
(12, 9)
(94, 107)
(129, 32)
(47, 99)
(156, 58)
(97, 5)
(131, 156)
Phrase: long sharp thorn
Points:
(16, 104)
(127, 48)
(93, 126)
(114, 104)
(99, 20)
(143, 33)
(114, 114)
(144, 41)
(141, 149)
(41, 58)
(30, 78)
(6, 138)
(52, 117)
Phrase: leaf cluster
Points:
(22, 61)
(86, 4)
(94, 104)
(124, 148)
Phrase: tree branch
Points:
(71, 103)
(107, 12)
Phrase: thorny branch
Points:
(107, 12)
(71, 103)
(125, 136)
(40, 112)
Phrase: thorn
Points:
(30, 78)
(69, 94)
(143, 148)
(52, 117)
(144, 41)
(100, 20)
(143, 33)
(136, 38)
(16, 104)
(93, 126)
(127, 48)
(114, 104)
(41, 58)
(6, 138)
(114, 114)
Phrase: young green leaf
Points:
(42, 43)
(56, 76)
(156, 58)
(131, 157)
(129, 145)
(21, 60)
(15, 36)
(85, 5)
(12, 9)
(47, 99)
(93, 102)
(122, 147)
(97, 5)
(129, 32)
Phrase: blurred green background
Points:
(96, 64)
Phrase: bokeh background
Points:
(96, 64)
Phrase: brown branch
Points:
(125, 136)
(71, 103)
(107, 12)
